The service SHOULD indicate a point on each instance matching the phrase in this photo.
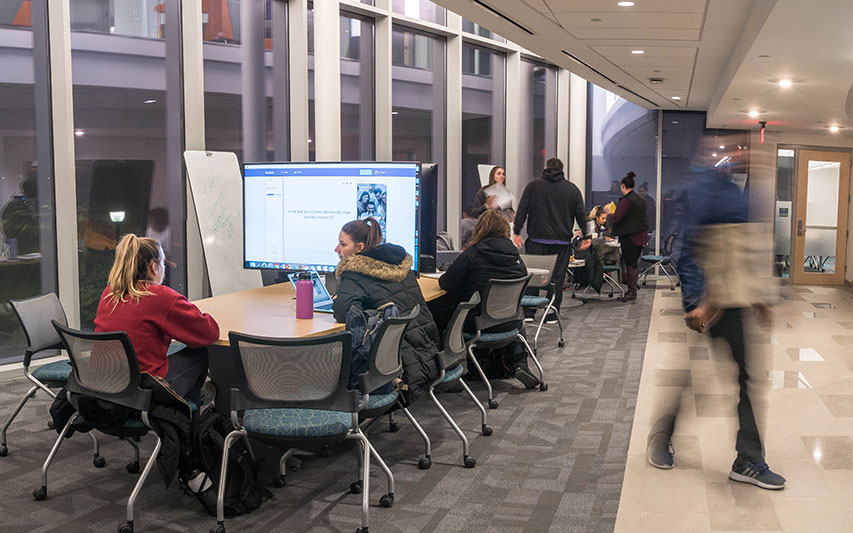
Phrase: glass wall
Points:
(538, 119)
(128, 149)
(483, 115)
(784, 211)
(27, 227)
(357, 89)
(469, 26)
(418, 99)
(420, 9)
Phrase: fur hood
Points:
(391, 264)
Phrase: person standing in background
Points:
(550, 205)
(651, 205)
(484, 201)
(630, 225)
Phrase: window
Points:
(357, 109)
(469, 26)
(419, 111)
(538, 120)
(27, 226)
(420, 9)
(483, 116)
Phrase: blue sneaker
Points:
(759, 474)
(660, 451)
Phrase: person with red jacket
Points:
(153, 314)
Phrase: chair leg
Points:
(559, 324)
(386, 500)
(542, 385)
(133, 467)
(30, 393)
(393, 427)
(426, 461)
(281, 480)
(493, 404)
(671, 282)
(41, 494)
(486, 429)
(223, 471)
(469, 462)
(364, 473)
(539, 328)
(645, 273)
(141, 481)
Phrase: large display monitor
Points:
(293, 212)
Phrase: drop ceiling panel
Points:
(665, 72)
(642, 61)
(631, 20)
(650, 51)
(636, 34)
(659, 6)
(538, 5)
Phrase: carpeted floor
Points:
(555, 461)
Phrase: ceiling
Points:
(706, 53)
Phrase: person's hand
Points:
(701, 318)
(584, 245)
(609, 208)
(491, 202)
(516, 240)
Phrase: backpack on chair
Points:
(243, 489)
(363, 326)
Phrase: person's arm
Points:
(479, 206)
(621, 211)
(521, 214)
(452, 280)
(691, 276)
(185, 323)
(580, 211)
(350, 293)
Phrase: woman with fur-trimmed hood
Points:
(372, 274)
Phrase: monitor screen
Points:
(293, 212)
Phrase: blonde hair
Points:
(596, 211)
(128, 275)
(492, 223)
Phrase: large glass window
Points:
(621, 138)
(538, 120)
(128, 149)
(420, 9)
(469, 26)
(27, 227)
(483, 115)
(419, 105)
(357, 111)
(784, 211)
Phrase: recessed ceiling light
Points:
(833, 129)
(722, 147)
(625, 4)
(596, 19)
(395, 112)
(753, 114)
(657, 70)
(675, 122)
(763, 56)
(676, 98)
(79, 133)
(638, 52)
(152, 101)
(714, 154)
(785, 83)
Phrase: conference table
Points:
(268, 312)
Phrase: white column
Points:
(193, 65)
(327, 80)
(513, 124)
(564, 78)
(454, 128)
(659, 167)
(577, 133)
(65, 184)
(298, 67)
(382, 91)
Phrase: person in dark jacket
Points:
(489, 255)
(631, 226)
(550, 206)
(483, 201)
(372, 274)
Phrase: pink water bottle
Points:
(304, 296)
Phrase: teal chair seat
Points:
(296, 422)
(534, 301)
(57, 371)
(452, 374)
(494, 337)
(655, 258)
(378, 401)
(610, 268)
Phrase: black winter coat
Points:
(381, 275)
(549, 205)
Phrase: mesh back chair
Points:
(105, 367)
(536, 300)
(450, 366)
(292, 393)
(607, 275)
(662, 261)
(501, 308)
(35, 315)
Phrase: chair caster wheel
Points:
(493, 404)
(393, 427)
(470, 462)
(487, 430)
(128, 528)
(4, 451)
(279, 481)
(133, 468)
(50, 424)
(424, 463)
(610, 296)
(543, 387)
(324, 452)
(219, 529)
(561, 344)
(672, 288)
(678, 284)
(361, 530)
(644, 284)
(355, 487)
(40, 494)
(99, 461)
(386, 500)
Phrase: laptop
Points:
(322, 299)
(444, 258)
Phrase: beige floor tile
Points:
(805, 479)
(840, 482)
(840, 405)
(739, 507)
(674, 522)
(665, 490)
(811, 514)
(716, 405)
(831, 452)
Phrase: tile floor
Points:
(808, 434)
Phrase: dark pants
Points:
(558, 276)
(187, 372)
(630, 251)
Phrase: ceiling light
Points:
(676, 98)
(721, 161)
(395, 112)
(785, 83)
(722, 147)
(714, 154)
(656, 81)
(753, 114)
(596, 19)
(833, 129)
(638, 52)
(152, 101)
(675, 122)
(79, 133)
(625, 4)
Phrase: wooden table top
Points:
(271, 312)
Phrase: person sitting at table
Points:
(602, 224)
(490, 254)
(604, 246)
(135, 301)
(372, 274)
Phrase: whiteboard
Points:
(217, 193)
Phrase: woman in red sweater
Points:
(153, 314)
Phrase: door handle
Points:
(800, 230)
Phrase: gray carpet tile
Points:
(555, 461)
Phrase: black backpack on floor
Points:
(243, 490)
